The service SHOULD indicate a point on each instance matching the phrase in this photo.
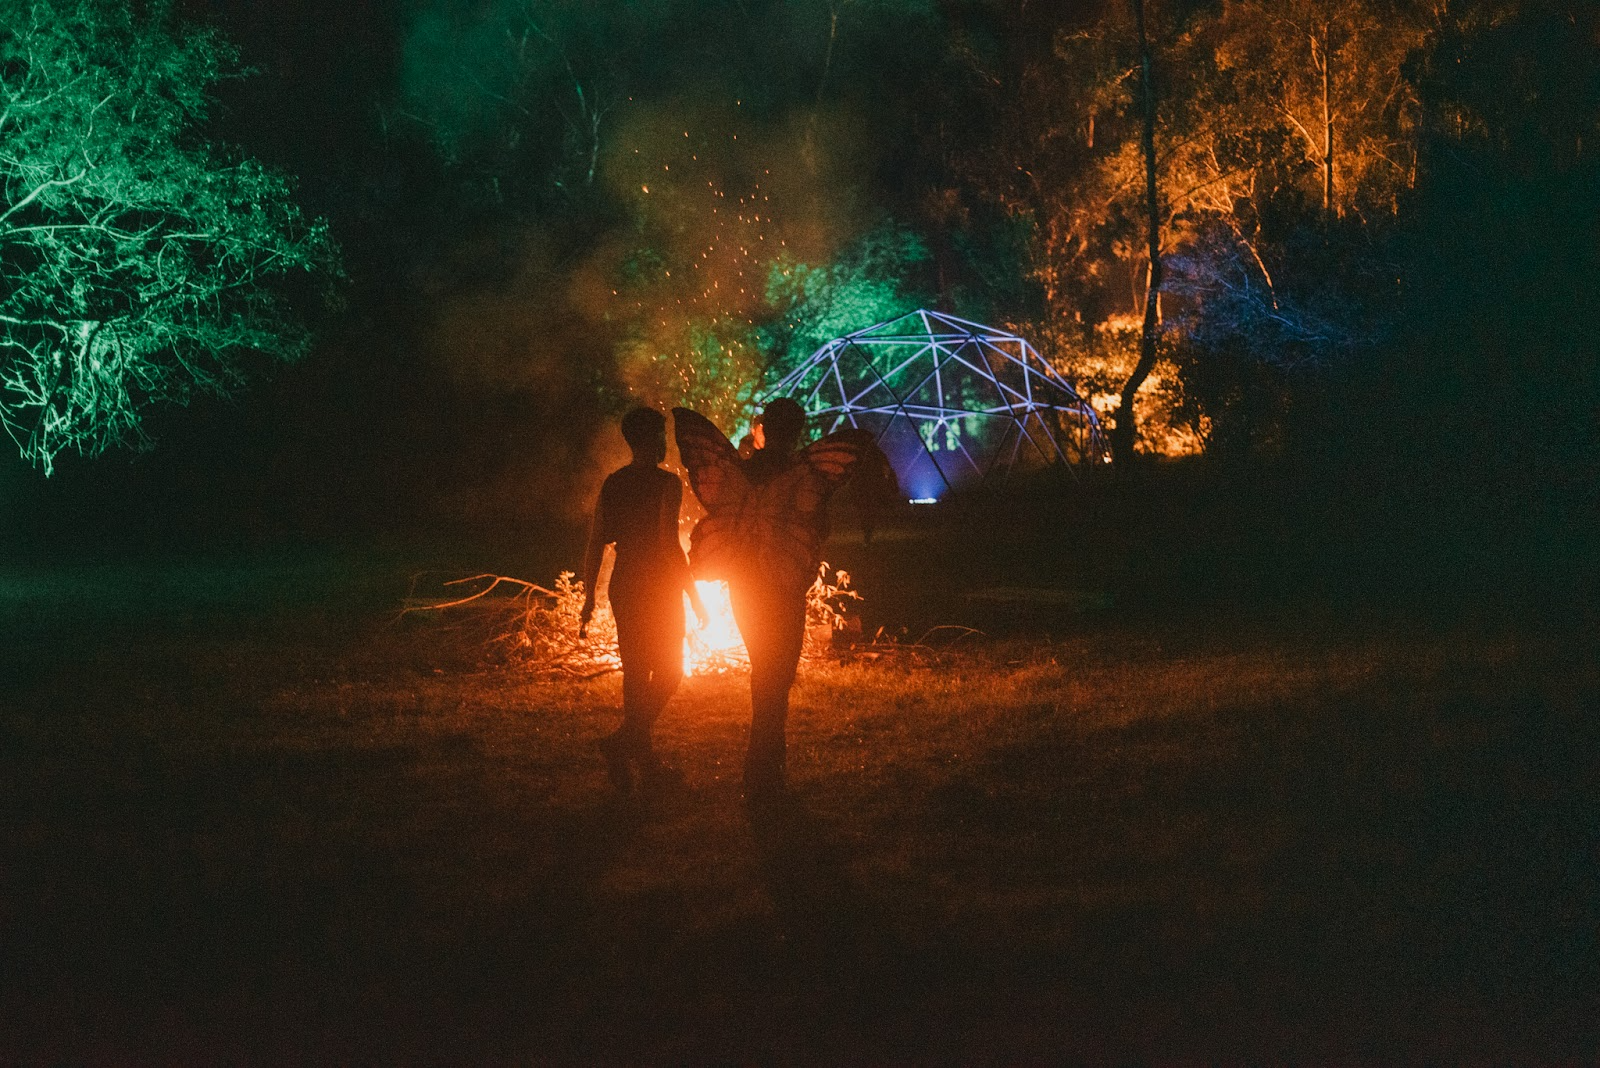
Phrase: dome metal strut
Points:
(952, 403)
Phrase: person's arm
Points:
(594, 555)
(671, 505)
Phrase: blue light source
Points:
(950, 402)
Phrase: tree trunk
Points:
(1327, 127)
(1124, 431)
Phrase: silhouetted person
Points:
(770, 610)
(638, 513)
(763, 532)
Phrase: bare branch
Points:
(54, 183)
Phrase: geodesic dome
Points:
(952, 403)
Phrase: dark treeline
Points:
(1378, 224)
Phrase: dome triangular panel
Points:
(952, 402)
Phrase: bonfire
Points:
(537, 625)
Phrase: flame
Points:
(718, 645)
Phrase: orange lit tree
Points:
(1160, 152)
(1329, 75)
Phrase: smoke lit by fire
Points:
(717, 198)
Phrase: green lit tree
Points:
(872, 279)
(138, 264)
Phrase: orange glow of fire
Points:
(717, 646)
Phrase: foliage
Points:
(1098, 360)
(675, 163)
(1435, 296)
(831, 607)
(1250, 139)
(1324, 81)
(140, 265)
(871, 280)
(710, 364)
(1239, 346)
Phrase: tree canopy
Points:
(138, 262)
(556, 209)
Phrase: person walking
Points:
(637, 513)
(766, 520)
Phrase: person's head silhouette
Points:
(645, 431)
(782, 422)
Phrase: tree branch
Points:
(39, 190)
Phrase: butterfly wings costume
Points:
(765, 523)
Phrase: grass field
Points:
(245, 816)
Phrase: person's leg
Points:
(664, 650)
(773, 627)
(650, 630)
(633, 647)
(665, 678)
(623, 746)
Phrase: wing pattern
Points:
(770, 533)
(711, 460)
(718, 481)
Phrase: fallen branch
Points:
(966, 632)
(537, 626)
(528, 587)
